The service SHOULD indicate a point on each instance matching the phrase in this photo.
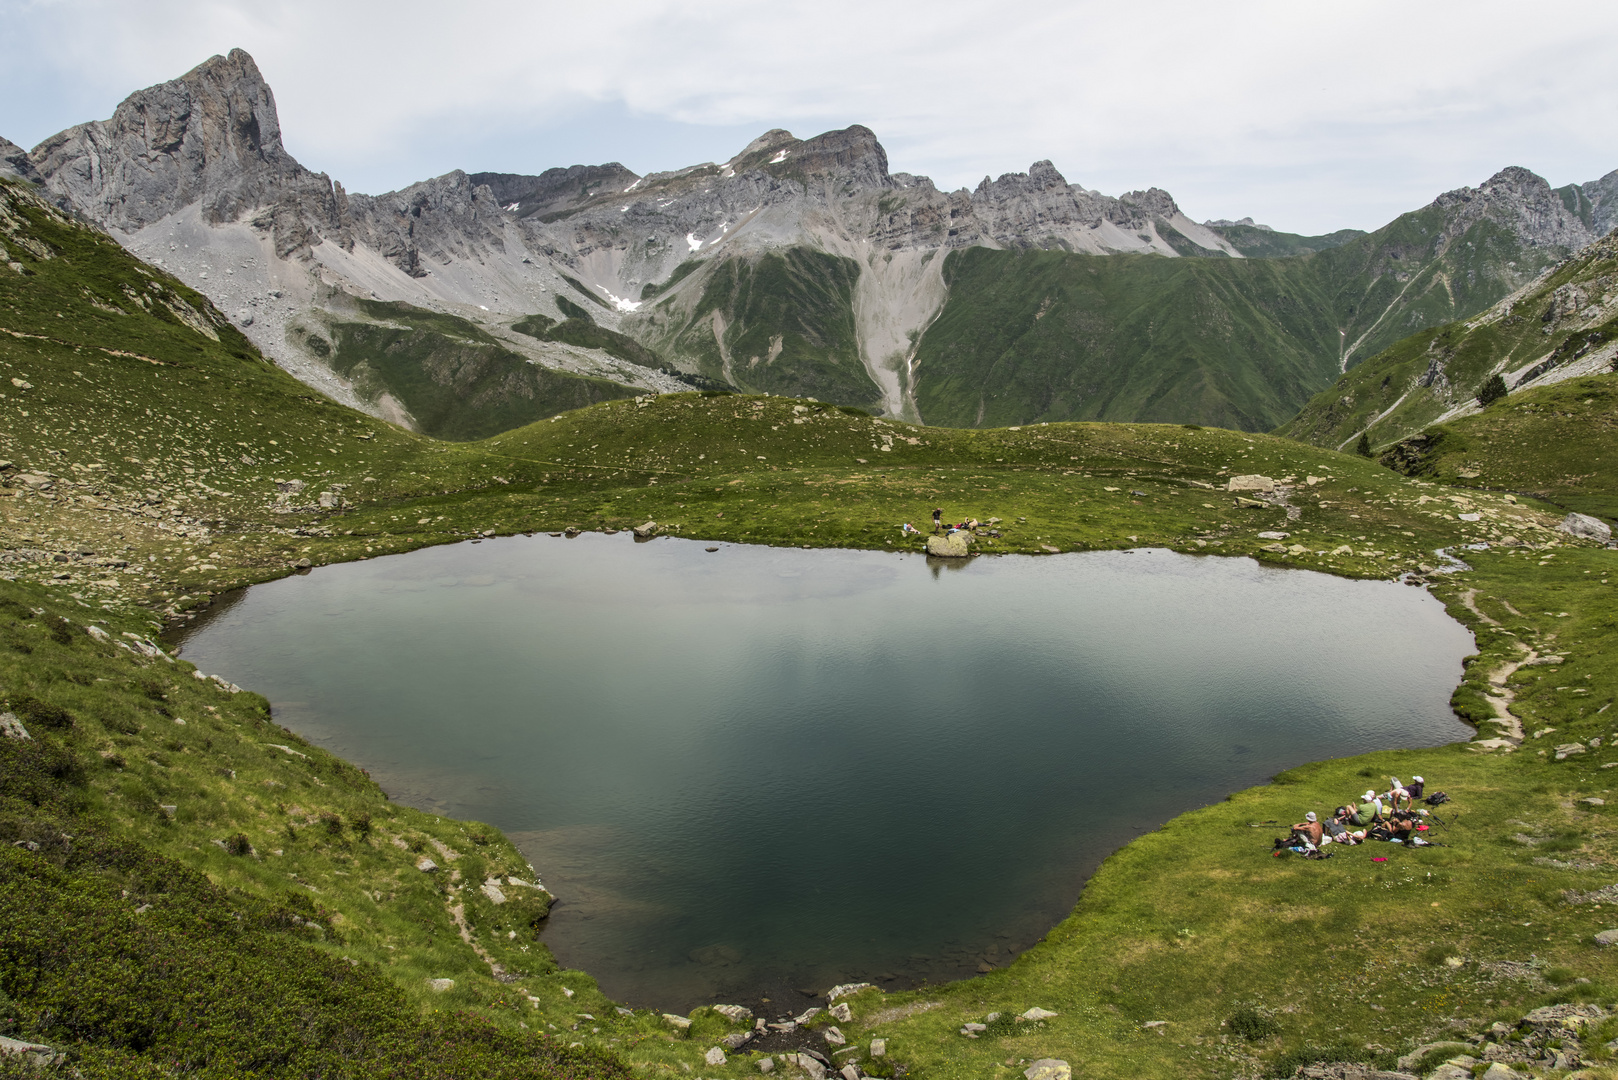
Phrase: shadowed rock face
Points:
(554, 190)
(14, 162)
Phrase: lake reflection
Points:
(766, 768)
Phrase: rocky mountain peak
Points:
(852, 154)
(1153, 200)
(1521, 201)
(212, 135)
(555, 190)
(773, 139)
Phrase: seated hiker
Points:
(1369, 811)
(1401, 826)
(1416, 788)
(1338, 830)
(1309, 829)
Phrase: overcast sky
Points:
(1307, 115)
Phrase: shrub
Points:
(1289, 1063)
(333, 823)
(62, 631)
(239, 845)
(361, 824)
(1363, 447)
(1492, 391)
(31, 710)
(1251, 1024)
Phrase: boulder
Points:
(1567, 750)
(835, 1037)
(36, 1054)
(1036, 1013)
(879, 1048)
(1499, 1071)
(646, 530)
(841, 1012)
(808, 1014)
(850, 1071)
(1607, 937)
(440, 985)
(815, 1069)
(736, 1040)
(1273, 535)
(714, 1056)
(954, 546)
(1586, 526)
(1049, 1069)
(493, 892)
(736, 1014)
(11, 727)
(766, 1065)
(678, 1023)
(1251, 482)
(427, 866)
(1447, 1071)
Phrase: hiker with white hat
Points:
(1416, 788)
(1310, 829)
(1369, 811)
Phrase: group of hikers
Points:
(940, 528)
(1391, 816)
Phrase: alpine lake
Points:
(754, 771)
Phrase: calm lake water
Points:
(765, 768)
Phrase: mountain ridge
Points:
(192, 173)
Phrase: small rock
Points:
(841, 1012)
(645, 530)
(1154, 1024)
(736, 1014)
(973, 1028)
(879, 1048)
(815, 1069)
(807, 1015)
(766, 1065)
(1273, 535)
(736, 1040)
(1250, 504)
(842, 990)
(1607, 937)
(427, 866)
(850, 1071)
(1592, 800)
(1036, 1013)
(1567, 750)
(440, 985)
(679, 1023)
(1454, 961)
(301, 564)
(492, 891)
(1586, 526)
(714, 1056)
(835, 1037)
(1049, 1069)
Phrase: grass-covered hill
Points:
(1552, 323)
(218, 898)
(1030, 336)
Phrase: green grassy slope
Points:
(1411, 384)
(454, 379)
(1236, 342)
(1558, 443)
(1044, 335)
(779, 323)
(1257, 243)
(1191, 925)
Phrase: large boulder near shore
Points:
(1049, 1069)
(1586, 526)
(954, 546)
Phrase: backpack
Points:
(1437, 798)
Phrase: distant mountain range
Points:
(468, 303)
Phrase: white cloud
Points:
(1307, 115)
